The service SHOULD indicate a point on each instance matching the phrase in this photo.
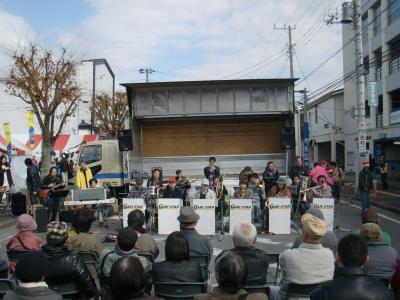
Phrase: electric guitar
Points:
(44, 193)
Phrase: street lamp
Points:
(98, 61)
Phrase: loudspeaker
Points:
(125, 141)
(288, 137)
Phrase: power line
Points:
(301, 69)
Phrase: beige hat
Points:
(314, 227)
(371, 231)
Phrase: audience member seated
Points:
(349, 281)
(125, 246)
(198, 245)
(231, 276)
(329, 240)
(65, 266)
(31, 271)
(145, 242)
(25, 239)
(382, 258)
(310, 263)
(128, 280)
(371, 216)
(85, 241)
(177, 267)
(256, 260)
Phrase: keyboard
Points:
(89, 202)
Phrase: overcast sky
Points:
(179, 39)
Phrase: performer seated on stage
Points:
(221, 193)
(322, 190)
(172, 191)
(156, 179)
(205, 192)
(258, 189)
(298, 206)
(243, 191)
(93, 183)
(138, 190)
(52, 182)
(83, 176)
(183, 183)
(280, 189)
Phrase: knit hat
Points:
(281, 180)
(25, 222)
(188, 215)
(371, 232)
(57, 231)
(316, 212)
(32, 267)
(365, 163)
(313, 226)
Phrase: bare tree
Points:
(48, 83)
(110, 114)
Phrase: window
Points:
(394, 10)
(367, 109)
(90, 154)
(366, 68)
(377, 19)
(364, 28)
(395, 100)
(394, 62)
(378, 64)
(316, 115)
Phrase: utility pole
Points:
(360, 88)
(305, 129)
(147, 71)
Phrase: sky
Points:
(179, 39)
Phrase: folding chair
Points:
(179, 290)
(91, 261)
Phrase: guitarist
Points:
(52, 182)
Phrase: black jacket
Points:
(365, 181)
(270, 179)
(38, 293)
(48, 180)
(5, 173)
(352, 284)
(65, 267)
(32, 178)
(184, 271)
(299, 171)
(256, 261)
(176, 193)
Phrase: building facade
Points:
(381, 53)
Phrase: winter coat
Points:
(146, 244)
(33, 293)
(270, 178)
(32, 178)
(382, 261)
(210, 175)
(85, 242)
(365, 181)
(247, 194)
(4, 173)
(82, 178)
(67, 267)
(284, 193)
(352, 284)
(169, 193)
(298, 171)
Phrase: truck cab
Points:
(106, 163)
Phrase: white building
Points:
(381, 52)
(325, 123)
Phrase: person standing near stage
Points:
(384, 171)
(52, 182)
(221, 194)
(6, 181)
(270, 176)
(32, 181)
(211, 171)
(64, 167)
(83, 176)
(298, 169)
(365, 186)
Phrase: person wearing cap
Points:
(329, 240)
(171, 190)
(31, 271)
(205, 192)
(322, 190)
(280, 189)
(138, 190)
(211, 170)
(382, 258)
(350, 281)
(25, 239)
(371, 216)
(311, 263)
(66, 266)
(198, 245)
(365, 185)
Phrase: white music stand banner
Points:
(240, 212)
(129, 204)
(205, 208)
(168, 212)
(279, 215)
(327, 206)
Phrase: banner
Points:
(327, 206)
(130, 204)
(279, 215)
(240, 212)
(205, 208)
(7, 135)
(168, 213)
(31, 130)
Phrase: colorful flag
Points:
(7, 135)
(29, 121)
